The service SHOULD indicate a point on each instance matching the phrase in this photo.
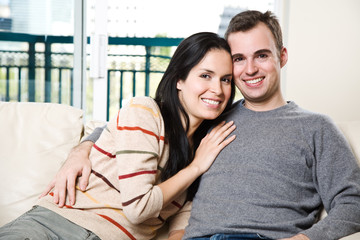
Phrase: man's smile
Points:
(255, 81)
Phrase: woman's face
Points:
(205, 93)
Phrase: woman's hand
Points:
(211, 145)
(76, 165)
(205, 155)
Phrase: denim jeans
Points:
(242, 236)
(40, 223)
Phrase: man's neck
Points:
(265, 105)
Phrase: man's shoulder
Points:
(309, 114)
(311, 119)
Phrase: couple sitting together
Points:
(260, 168)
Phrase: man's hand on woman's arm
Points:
(76, 165)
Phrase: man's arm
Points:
(338, 183)
(76, 165)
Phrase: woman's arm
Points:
(176, 235)
(138, 133)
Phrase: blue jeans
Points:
(242, 236)
(41, 223)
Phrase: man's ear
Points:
(283, 57)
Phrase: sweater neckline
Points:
(287, 106)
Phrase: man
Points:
(285, 164)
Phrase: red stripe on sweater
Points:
(67, 206)
(176, 204)
(103, 151)
(118, 225)
(136, 174)
(141, 129)
(113, 222)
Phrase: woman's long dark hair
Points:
(187, 55)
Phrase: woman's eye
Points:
(205, 76)
(227, 80)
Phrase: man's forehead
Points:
(250, 42)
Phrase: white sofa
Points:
(35, 140)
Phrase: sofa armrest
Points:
(35, 140)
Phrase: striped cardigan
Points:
(122, 200)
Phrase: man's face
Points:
(257, 66)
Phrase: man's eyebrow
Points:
(237, 55)
(263, 51)
(260, 51)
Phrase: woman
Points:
(145, 160)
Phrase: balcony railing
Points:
(37, 68)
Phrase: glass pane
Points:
(36, 50)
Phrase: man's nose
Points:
(251, 68)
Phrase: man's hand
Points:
(176, 234)
(297, 237)
(76, 165)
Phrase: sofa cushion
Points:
(351, 130)
(35, 140)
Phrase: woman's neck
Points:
(193, 125)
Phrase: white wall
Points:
(323, 42)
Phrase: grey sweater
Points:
(284, 165)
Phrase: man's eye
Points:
(262, 56)
(238, 59)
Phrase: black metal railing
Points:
(38, 68)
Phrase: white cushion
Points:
(351, 130)
(35, 140)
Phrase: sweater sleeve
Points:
(180, 220)
(95, 135)
(138, 133)
(337, 179)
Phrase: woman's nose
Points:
(216, 86)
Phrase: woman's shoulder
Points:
(144, 103)
(143, 100)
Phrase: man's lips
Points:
(254, 82)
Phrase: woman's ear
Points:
(179, 84)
